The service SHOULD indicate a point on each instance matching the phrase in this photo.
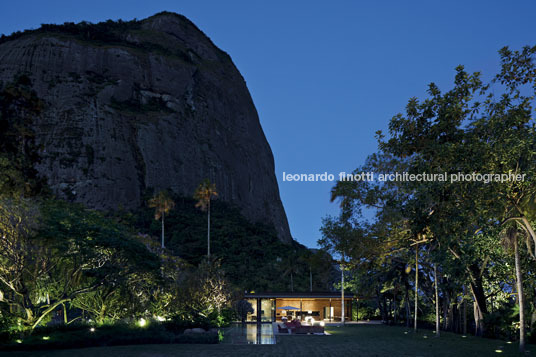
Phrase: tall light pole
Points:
(342, 288)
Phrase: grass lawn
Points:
(356, 340)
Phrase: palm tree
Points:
(203, 194)
(162, 203)
(290, 267)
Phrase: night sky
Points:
(325, 76)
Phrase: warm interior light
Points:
(322, 323)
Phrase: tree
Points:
(203, 194)
(71, 252)
(463, 130)
(203, 293)
(242, 308)
(19, 221)
(290, 266)
(162, 203)
(338, 235)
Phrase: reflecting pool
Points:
(244, 334)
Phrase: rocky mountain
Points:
(143, 104)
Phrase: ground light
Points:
(46, 338)
(142, 322)
(18, 341)
(499, 351)
(160, 318)
(92, 329)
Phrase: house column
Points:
(259, 311)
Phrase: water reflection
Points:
(243, 334)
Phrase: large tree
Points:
(54, 253)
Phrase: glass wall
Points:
(267, 310)
(252, 316)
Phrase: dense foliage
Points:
(250, 253)
(435, 246)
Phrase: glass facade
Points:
(252, 316)
(267, 310)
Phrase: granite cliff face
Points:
(146, 104)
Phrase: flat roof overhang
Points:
(308, 295)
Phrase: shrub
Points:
(81, 336)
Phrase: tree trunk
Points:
(342, 293)
(208, 231)
(533, 319)
(449, 316)
(395, 312)
(445, 310)
(477, 290)
(436, 301)
(479, 306)
(479, 319)
(310, 279)
(47, 311)
(102, 314)
(379, 302)
(408, 312)
(416, 285)
(530, 230)
(521, 299)
(464, 312)
(455, 318)
(386, 309)
(65, 317)
(163, 230)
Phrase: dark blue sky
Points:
(325, 75)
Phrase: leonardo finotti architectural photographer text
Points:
(406, 176)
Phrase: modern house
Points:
(321, 306)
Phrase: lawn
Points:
(356, 340)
